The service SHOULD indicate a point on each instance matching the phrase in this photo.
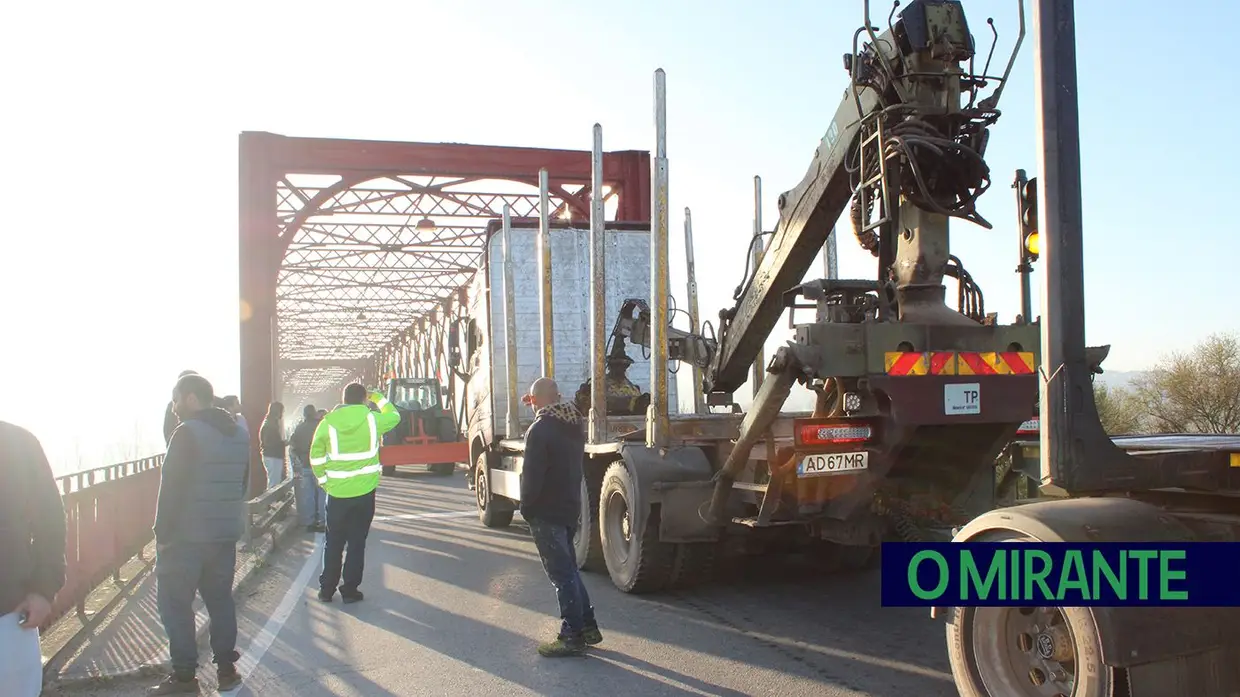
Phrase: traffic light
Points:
(1029, 219)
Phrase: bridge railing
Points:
(109, 512)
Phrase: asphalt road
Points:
(453, 608)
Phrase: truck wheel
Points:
(443, 469)
(492, 511)
(1026, 651)
(587, 543)
(635, 564)
(389, 470)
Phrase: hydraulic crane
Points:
(905, 153)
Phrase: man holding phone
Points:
(32, 543)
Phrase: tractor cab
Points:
(415, 394)
(427, 433)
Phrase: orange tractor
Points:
(428, 433)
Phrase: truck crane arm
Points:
(891, 78)
(633, 327)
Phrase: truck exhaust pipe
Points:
(694, 326)
(512, 421)
(544, 273)
(598, 295)
(657, 421)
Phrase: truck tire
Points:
(1023, 652)
(635, 564)
(587, 543)
(443, 469)
(493, 511)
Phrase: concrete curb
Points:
(257, 555)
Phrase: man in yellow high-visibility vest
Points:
(344, 455)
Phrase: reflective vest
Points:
(345, 451)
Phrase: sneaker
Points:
(176, 685)
(326, 597)
(227, 677)
(354, 597)
(592, 636)
(562, 647)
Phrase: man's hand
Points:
(36, 609)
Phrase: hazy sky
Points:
(120, 158)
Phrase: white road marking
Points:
(267, 635)
(259, 646)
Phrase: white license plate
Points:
(824, 464)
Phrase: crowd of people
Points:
(200, 518)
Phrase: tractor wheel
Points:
(1027, 651)
(443, 469)
(636, 563)
(493, 511)
(587, 543)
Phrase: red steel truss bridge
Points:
(355, 255)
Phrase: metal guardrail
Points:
(109, 515)
(264, 510)
(109, 512)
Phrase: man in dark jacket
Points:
(32, 545)
(198, 520)
(170, 415)
(551, 504)
(310, 496)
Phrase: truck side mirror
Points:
(454, 346)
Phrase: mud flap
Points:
(679, 480)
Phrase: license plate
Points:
(824, 464)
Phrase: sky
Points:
(119, 184)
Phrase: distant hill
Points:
(1119, 378)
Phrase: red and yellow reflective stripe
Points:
(960, 363)
(907, 363)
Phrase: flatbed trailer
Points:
(1134, 489)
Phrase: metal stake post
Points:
(757, 249)
(657, 421)
(694, 326)
(598, 295)
(512, 422)
(1066, 385)
(544, 273)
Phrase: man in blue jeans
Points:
(199, 519)
(551, 503)
(311, 500)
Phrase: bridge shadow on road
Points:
(765, 625)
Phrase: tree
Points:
(1194, 392)
(1119, 410)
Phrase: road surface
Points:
(454, 608)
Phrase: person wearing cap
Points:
(344, 455)
(623, 396)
